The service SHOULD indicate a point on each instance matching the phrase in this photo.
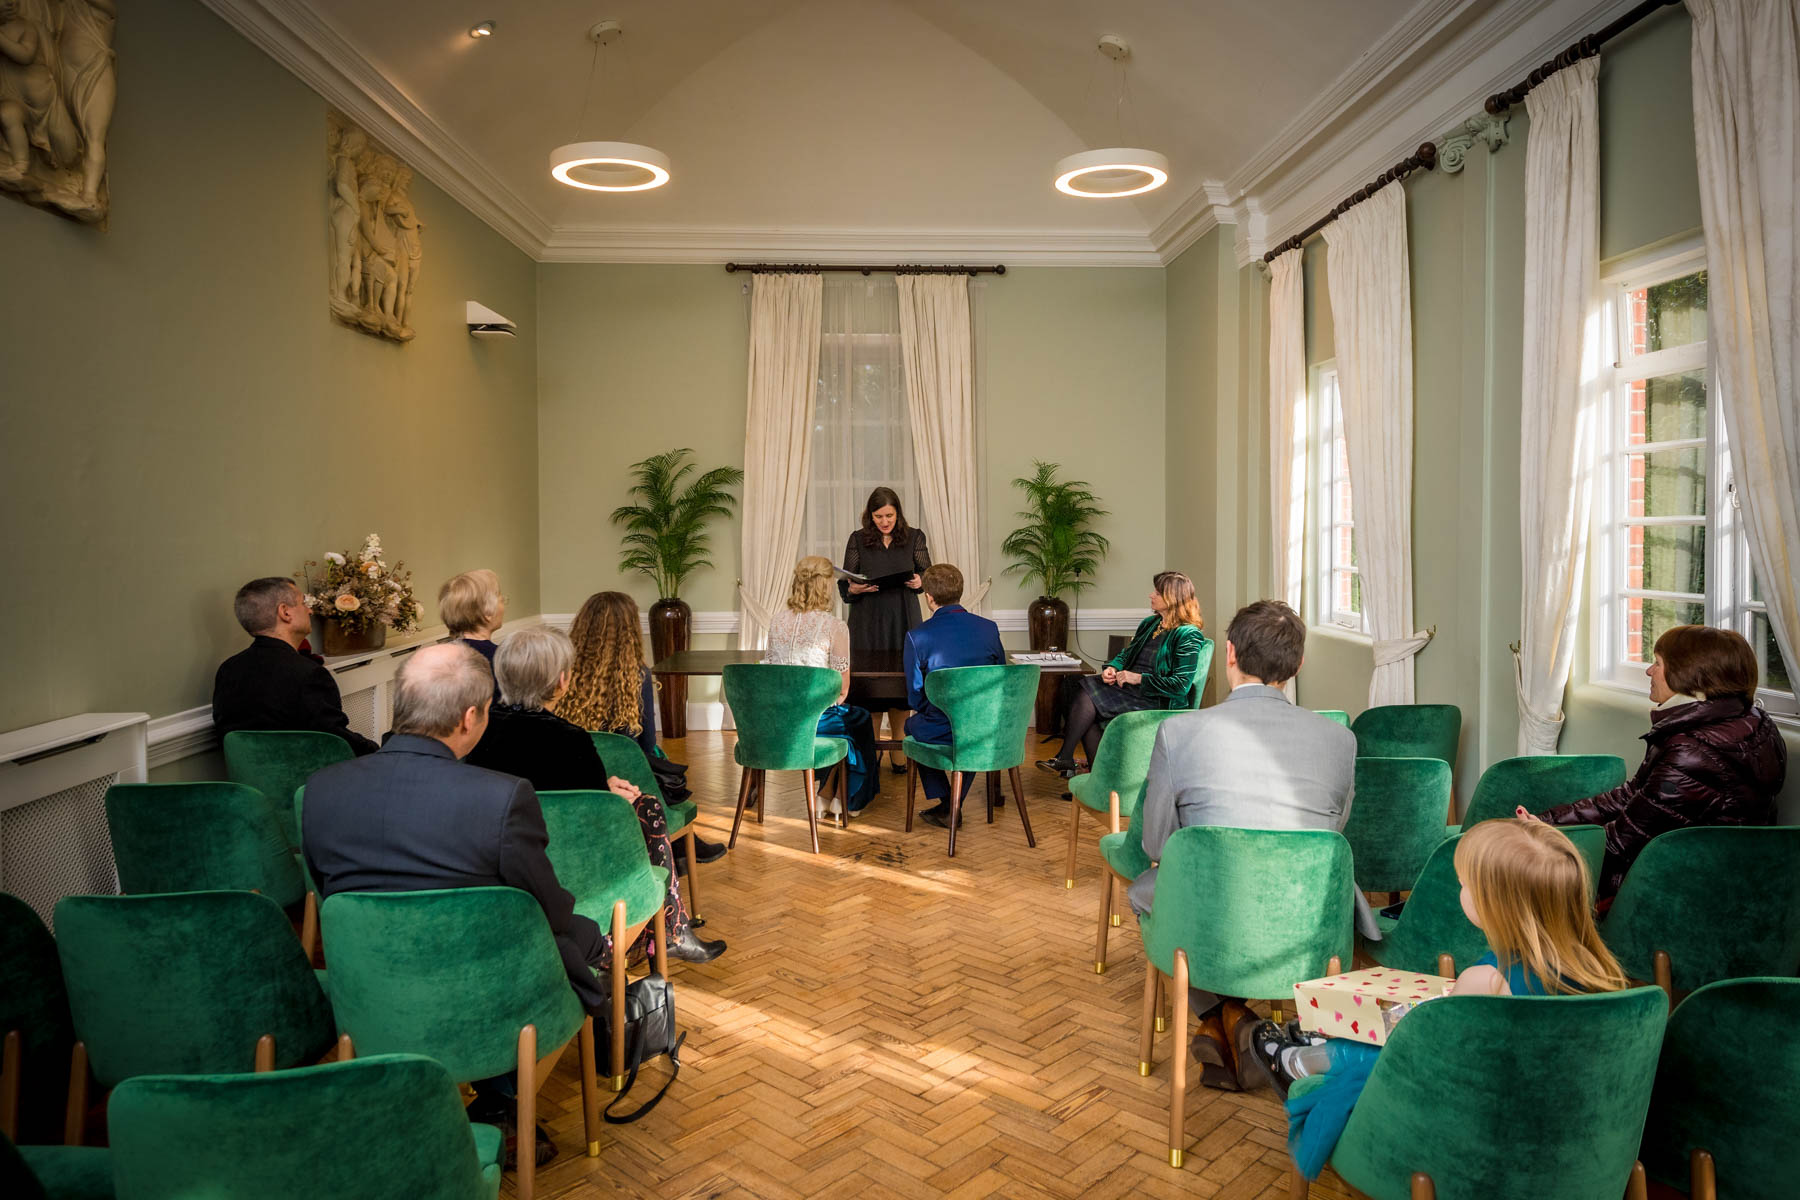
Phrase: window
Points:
(1338, 590)
(861, 433)
(1671, 549)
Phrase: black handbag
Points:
(649, 1033)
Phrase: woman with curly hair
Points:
(610, 689)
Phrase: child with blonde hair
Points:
(1524, 885)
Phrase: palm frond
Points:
(666, 534)
(1055, 545)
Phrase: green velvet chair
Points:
(468, 976)
(1121, 766)
(625, 758)
(1408, 731)
(1725, 1115)
(54, 1172)
(777, 711)
(1202, 672)
(1539, 782)
(1432, 935)
(1709, 903)
(1240, 912)
(597, 848)
(276, 761)
(1336, 714)
(1122, 854)
(35, 1033)
(1396, 818)
(990, 709)
(390, 1125)
(189, 983)
(1507, 1096)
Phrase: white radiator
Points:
(53, 782)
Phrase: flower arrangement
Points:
(360, 592)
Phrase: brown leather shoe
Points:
(1209, 1045)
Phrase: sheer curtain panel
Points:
(1287, 428)
(936, 344)
(1746, 69)
(1372, 307)
(1559, 388)
(784, 373)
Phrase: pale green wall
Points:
(640, 359)
(1466, 239)
(181, 414)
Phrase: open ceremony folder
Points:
(886, 583)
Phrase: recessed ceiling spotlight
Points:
(485, 29)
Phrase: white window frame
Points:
(1327, 414)
(1726, 602)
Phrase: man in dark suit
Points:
(271, 684)
(950, 636)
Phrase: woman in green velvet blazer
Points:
(1158, 669)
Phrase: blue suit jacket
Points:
(951, 637)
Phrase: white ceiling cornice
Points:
(683, 244)
(315, 51)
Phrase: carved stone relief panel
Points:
(374, 232)
(57, 87)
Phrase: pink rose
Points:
(348, 603)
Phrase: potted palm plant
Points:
(666, 539)
(1056, 546)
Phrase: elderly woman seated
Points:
(526, 738)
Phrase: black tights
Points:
(1083, 729)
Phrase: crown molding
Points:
(319, 54)
(715, 244)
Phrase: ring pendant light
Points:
(1116, 171)
(594, 166)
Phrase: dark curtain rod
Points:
(1426, 156)
(864, 268)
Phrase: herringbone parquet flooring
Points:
(889, 1022)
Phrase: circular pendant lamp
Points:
(1111, 173)
(607, 166)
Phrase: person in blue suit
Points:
(950, 636)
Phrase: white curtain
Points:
(1287, 429)
(1371, 305)
(784, 373)
(936, 346)
(861, 433)
(1746, 69)
(1560, 400)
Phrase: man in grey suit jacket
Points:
(1253, 761)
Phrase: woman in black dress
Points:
(885, 547)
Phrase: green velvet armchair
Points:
(1121, 768)
(35, 1032)
(1539, 782)
(390, 1125)
(54, 1172)
(989, 708)
(1408, 731)
(777, 711)
(276, 761)
(625, 758)
(1396, 818)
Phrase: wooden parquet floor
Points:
(889, 1022)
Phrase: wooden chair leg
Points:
(912, 790)
(265, 1054)
(1147, 1025)
(1636, 1188)
(616, 1052)
(842, 791)
(1703, 1182)
(10, 1068)
(1075, 807)
(309, 926)
(1106, 903)
(693, 872)
(1298, 1187)
(955, 808)
(991, 788)
(661, 925)
(762, 796)
(590, 1087)
(1446, 966)
(1018, 789)
(743, 798)
(1422, 1187)
(346, 1049)
(1664, 972)
(75, 1114)
(812, 806)
(1178, 1056)
(525, 1172)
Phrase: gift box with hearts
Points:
(1362, 1005)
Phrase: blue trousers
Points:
(934, 781)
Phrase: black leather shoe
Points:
(1055, 767)
(689, 948)
(939, 815)
(706, 852)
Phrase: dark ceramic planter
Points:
(671, 629)
(1048, 619)
(335, 640)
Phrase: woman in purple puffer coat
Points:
(1714, 757)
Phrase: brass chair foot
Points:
(1162, 1024)
(1099, 968)
(1115, 920)
(617, 1083)
(1144, 1068)
(593, 1150)
(1175, 1159)
(1068, 883)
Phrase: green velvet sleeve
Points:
(1172, 676)
(1129, 654)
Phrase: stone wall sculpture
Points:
(57, 88)
(375, 244)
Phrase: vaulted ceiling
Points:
(816, 124)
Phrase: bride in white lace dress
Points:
(807, 634)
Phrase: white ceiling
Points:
(843, 126)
